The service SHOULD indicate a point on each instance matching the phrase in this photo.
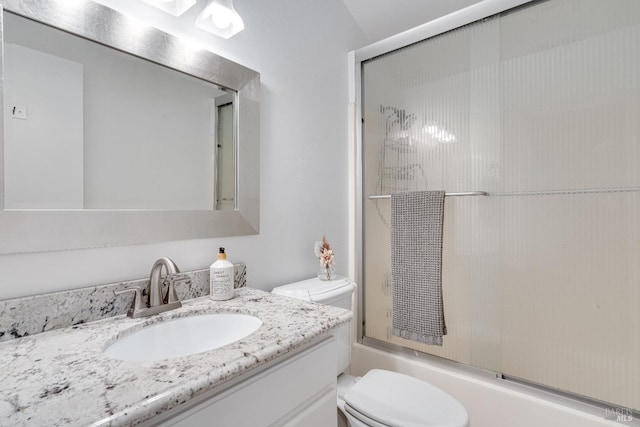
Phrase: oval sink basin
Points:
(183, 336)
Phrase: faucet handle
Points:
(171, 295)
(137, 303)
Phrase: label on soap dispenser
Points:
(221, 280)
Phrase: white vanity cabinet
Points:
(297, 391)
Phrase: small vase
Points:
(327, 272)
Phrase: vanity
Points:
(281, 374)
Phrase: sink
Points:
(183, 336)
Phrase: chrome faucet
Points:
(156, 302)
(154, 290)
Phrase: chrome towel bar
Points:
(466, 193)
(534, 193)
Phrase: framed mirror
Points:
(115, 133)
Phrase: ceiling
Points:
(380, 19)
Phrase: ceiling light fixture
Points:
(220, 18)
(174, 7)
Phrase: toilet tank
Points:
(337, 293)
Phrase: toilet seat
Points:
(389, 399)
(361, 418)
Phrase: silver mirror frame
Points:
(23, 231)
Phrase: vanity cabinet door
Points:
(322, 412)
(300, 391)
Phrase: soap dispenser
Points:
(221, 278)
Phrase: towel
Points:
(416, 266)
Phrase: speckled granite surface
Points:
(32, 315)
(62, 377)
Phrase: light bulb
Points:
(221, 18)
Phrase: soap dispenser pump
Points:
(221, 278)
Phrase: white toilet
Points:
(380, 398)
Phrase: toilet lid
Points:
(398, 400)
(315, 289)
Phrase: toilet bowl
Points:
(380, 398)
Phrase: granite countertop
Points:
(62, 377)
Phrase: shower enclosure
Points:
(539, 108)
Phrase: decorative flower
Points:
(323, 252)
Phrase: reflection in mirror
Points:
(90, 127)
(116, 133)
(225, 154)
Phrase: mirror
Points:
(120, 134)
(90, 127)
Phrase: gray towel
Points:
(416, 266)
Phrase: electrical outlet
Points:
(19, 112)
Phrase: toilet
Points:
(380, 398)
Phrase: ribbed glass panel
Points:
(568, 272)
(539, 107)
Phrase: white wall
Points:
(300, 50)
(380, 19)
(43, 148)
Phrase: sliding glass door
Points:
(540, 108)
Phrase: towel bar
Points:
(466, 193)
(571, 192)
